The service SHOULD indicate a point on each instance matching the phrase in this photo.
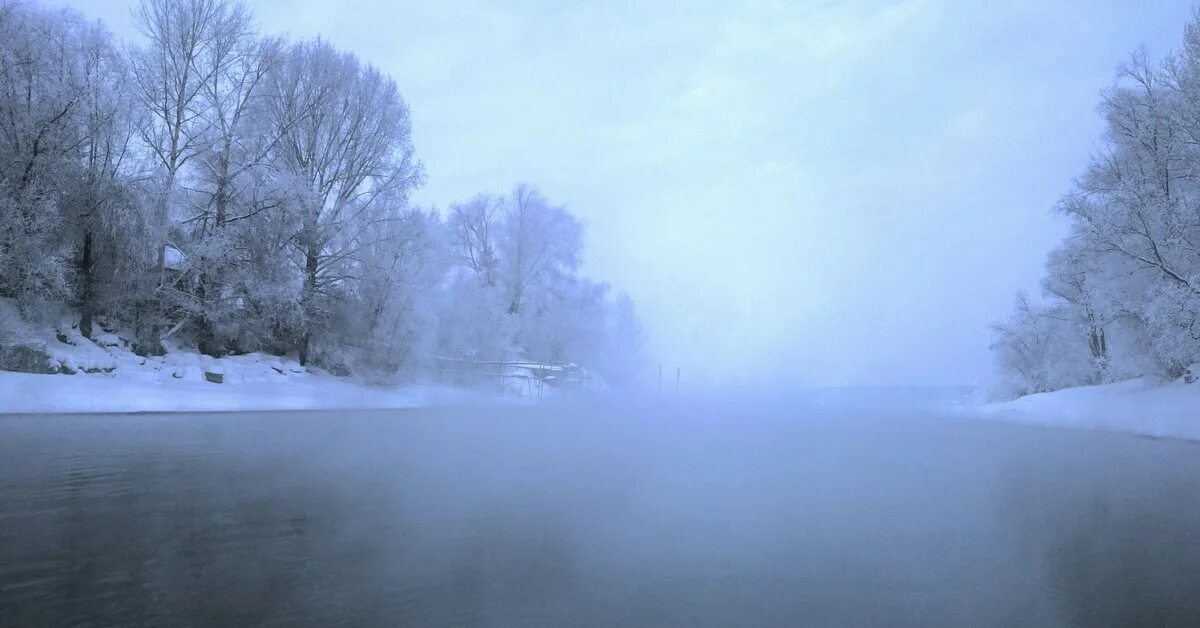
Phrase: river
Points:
(724, 514)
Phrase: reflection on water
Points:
(1121, 547)
(568, 517)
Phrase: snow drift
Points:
(1137, 406)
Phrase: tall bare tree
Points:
(187, 43)
(346, 148)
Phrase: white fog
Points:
(503, 312)
(830, 193)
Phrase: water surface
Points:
(775, 515)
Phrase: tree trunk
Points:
(1099, 346)
(514, 305)
(206, 343)
(209, 283)
(221, 197)
(302, 349)
(85, 286)
(151, 340)
(307, 299)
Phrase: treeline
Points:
(1122, 291)
(213, 187)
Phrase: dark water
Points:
(557, 516)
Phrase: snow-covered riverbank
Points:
(28, 393)
(1134, 406)
(103, 375)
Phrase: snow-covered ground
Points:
(1135, 406)
(27, 393)
(105, 376)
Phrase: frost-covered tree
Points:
(1128, 277)
(1077, 283)
(212, 188)
(1037, 351)
(392, 330)
(345, 147)
(181, 57)
(100, 203)
(473, 321)
(42, 99)
(1133, 207)
(474, 231)
(233, 177)
(539, 242)
(563, 320)
(514, 291)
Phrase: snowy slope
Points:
(1134, 406)
(108, 377)
(27, 393)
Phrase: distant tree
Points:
(538, 241)
(397, 323)
(621, 359)
(1077, 283)
(474, 231)
(1036, 350)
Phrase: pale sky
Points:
(809, 192)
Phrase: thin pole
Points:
(677, 369)
(659, 380)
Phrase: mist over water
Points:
(808, 511)
(660, 225)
